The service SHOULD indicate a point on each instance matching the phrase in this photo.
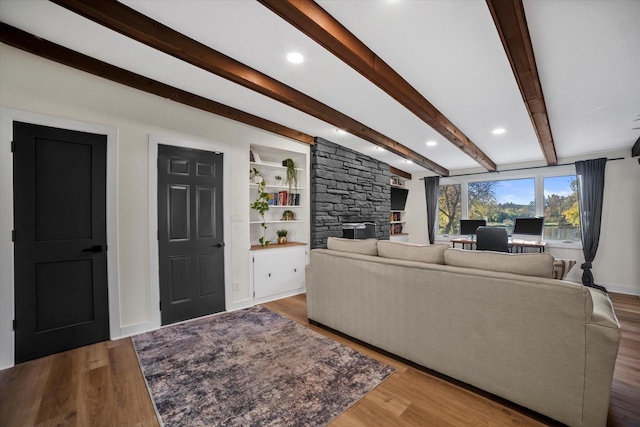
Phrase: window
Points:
(561, 212)
(551, 193)
(449, 209)
(501, 202)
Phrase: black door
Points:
(59, 183)
(190, 233)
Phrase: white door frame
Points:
(154, 276)
(7, 295)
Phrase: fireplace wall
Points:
(346, 186)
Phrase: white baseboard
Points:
(138, 328)
(622, 290)
(141, 328)
(279, 296)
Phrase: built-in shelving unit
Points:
(281, 194)
(397, 226)
(397, 219)
(278, 269)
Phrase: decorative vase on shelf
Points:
(282, 236)
(288, 215)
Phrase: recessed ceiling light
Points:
(409, 162)
(295, 57)
(498, 131)
(432, 143)
(380, 149)
(340, 131)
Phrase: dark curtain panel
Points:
(431, 190)
(590, 175)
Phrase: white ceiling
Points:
(587, 52)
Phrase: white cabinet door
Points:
(278, 270)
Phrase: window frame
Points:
(538, 174)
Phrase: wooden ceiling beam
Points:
(22, 40)
(511, 23)
(398, 172)
(315, 22)
(129, 22)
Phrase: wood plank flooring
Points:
(102, 385)
(96, 385)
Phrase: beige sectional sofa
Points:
(496, 321)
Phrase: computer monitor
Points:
(529, 227)
(469, 226)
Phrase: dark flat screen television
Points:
(529, 226)
(398, 198)
(469, 226)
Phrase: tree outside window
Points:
(501, 202)
(561, 211)
(449, 209)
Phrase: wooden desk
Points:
(463, 241)
(515, 245)
(521, 244)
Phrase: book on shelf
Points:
(254, 157)
(284, 198)
(396, 228)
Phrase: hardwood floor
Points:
(624, 409)
(102, 384)
(96, 385)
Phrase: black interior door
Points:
(61, 299)
(190, 235)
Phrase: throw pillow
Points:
(538, 265)
(356, 246)
(561, 268)
(432, 254)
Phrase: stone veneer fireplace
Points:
(347, 187)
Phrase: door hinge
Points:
(160, 305)
(13, 235)
(158, 234)
(14, 324)
(13, 147)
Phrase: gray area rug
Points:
(252, 367)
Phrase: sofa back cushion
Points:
(356, 246)
(432, 254)
(527, 264)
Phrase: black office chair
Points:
(492, 239)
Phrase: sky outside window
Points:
(516, 191)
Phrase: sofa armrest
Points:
(602, 313)
(602, 342)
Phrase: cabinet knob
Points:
(269, 274)
(295, 270)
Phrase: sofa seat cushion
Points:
(432, 254)
(526, 264)
(356, 246)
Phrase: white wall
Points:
(37, 85)
(617, 263)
